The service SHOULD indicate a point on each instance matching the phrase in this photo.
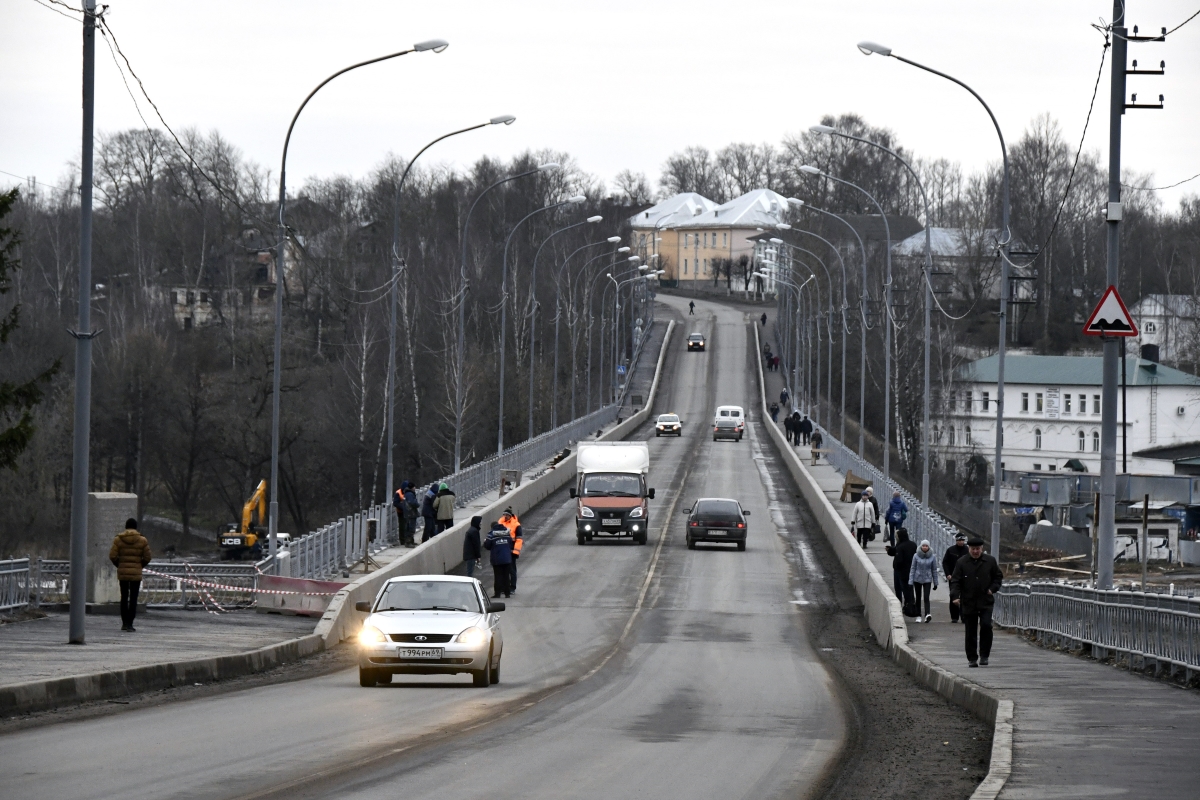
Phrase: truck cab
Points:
(612, 499)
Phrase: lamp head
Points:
(634, 258)
(596, 219)
(436, 45)
(505, 119)
(776, 240)
(549, 166)
(821, 130)
(576, 199)
(622, 249)
(643, 266)
(809, 169)
(660, 272)
(793, 201)
(613, 239)
(783, 226)
(867, 48)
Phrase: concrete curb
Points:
(444, 552)
(23, 698)
(885, 616)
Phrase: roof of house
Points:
(1072, 371)
(945, 242)
(1175, 305)
(1184, 451)
(755, 209)
(675, 209)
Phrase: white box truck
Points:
(610, 491)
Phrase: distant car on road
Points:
(729, 423)
(716, 519)
(430, 625)
(696, 341)
(668, 425)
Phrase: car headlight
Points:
(370, 635)
(586, 512)
(637, 512)
(472, 637)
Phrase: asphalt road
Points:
(628, 671)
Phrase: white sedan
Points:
(429, 625)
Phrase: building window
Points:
(204, 297)
(1150, 327)
(685, 266)
(1095, 404)
(967, 436)
(724, 239)
(685, 240)
(1025, 402)
(1066, 403)
(174, 298)
(1038, 400)
(1037, 467)
(952, 436)
(954, 401)
(1082, 442)
(1037, 438)
(706, 239)
(191, 298)
(984, 400)
(1083, 404)
(1095, 441)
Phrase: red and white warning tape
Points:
(225, 587)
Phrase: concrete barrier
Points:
(43, 695)
(885, 615)
(444, 552)
(299, 597)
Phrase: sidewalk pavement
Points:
(1080, 728)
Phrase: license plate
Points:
(615, 523)
(419, 652)
(717, 533)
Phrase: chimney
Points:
(1150, 352)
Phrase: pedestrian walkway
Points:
(1081, 728)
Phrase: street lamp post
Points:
(573, 200)
(869, 48)
(397, 265)
(558, 316)
(829, 322)
(589, 288)
(435, 45)
(887, 315)
(827, 130)
(533, 312)
(460, 350)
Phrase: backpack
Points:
(910, 610)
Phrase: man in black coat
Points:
(789, 428)
(902, 556)
(973, 587)
(471, 545)
(953, 554)
(805, 427)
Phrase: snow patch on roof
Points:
(673, 210)
(760, 208)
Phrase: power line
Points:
(1159, 188)
(47, 5)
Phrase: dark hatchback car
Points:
(696, 341)
(716, 519)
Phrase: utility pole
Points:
(83, 343)
(1106, 529)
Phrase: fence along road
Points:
(729, 704)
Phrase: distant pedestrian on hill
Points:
(499, 543)
(129, 553)
(949, 561)
(902, 557)
(973, 586)
(471, 545)
(923, 576)
(863, 520)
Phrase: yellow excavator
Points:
(238, 543)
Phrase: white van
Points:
(729, 423)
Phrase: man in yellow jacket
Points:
(129, 553)
(510, 521)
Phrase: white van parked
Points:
(729, 423)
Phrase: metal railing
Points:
(922, 523)
(1158, 628)
(14, 584)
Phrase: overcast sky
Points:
(618, 84)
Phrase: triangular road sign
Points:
(1111, 317)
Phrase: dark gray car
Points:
(716, 519)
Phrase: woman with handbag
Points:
(864, 519)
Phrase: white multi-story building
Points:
(1052, 414)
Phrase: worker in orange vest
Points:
(509, 520)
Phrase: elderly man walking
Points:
(973, 586)
(129, 553)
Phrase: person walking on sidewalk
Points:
(864, 519)
(816, 442)
(774, 409)
(129, 553)
(902, 557)
(471, 546)
(764, 319)
(870, 493)
(443, 506)
(691, 308)
(509, 520)
(949, 560)
(922, 576)
(789, 427)
(784, 396)
(897, 512)
(499, 543)
(805, 427)
(973, 586)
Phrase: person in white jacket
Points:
(864, 519)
